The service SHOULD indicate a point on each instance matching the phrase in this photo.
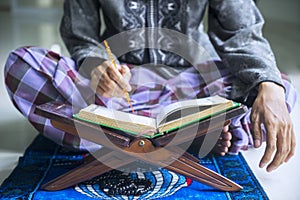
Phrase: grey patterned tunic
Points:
(234, 35)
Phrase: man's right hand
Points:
(109, 81)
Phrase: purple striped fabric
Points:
(34, 76)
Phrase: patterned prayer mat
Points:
(44, 160)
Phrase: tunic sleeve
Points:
(235, 29)
(80, 31)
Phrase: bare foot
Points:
(224, 142)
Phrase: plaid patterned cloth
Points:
(35, 76)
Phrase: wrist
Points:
(270, 85)
(271, 88)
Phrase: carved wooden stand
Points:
(121, 149)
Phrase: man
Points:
(248, 69)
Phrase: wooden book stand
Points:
(120, 149)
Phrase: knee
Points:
(14, 58)
(15, 68)
(22, 58)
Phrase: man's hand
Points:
(109, 81)
(270, 110)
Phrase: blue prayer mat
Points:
(45, 160)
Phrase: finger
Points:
(101, 69)
(126, 75)
(109, 87)
(116, 75)
(124, 70)
(100, 80)
(108, 71)
(222, 150)
(270, 148)
(107, 92)
(256, 130)
(225, 129)
(226, 136)
(97, 76)
(226, 143)
(281, 153)
(107, 64)
(102, 93)
(94, 82)
(293, 145)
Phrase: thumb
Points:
(125, 71)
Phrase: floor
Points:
(16, 133)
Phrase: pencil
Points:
(115, 65)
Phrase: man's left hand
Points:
(270, 110)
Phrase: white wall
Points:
(283, 10)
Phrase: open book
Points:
(171, 117)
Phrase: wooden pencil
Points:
(115, 65)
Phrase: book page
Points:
(183, 108)
(115, 118)
(182, 112)
(195, 117)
